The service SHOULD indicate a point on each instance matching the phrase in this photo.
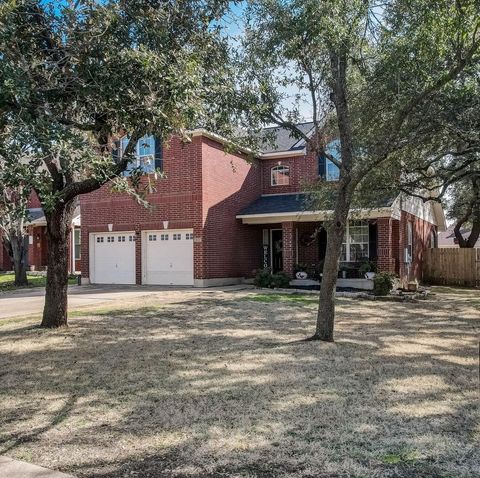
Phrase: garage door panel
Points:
(114, 258)
(168, 257)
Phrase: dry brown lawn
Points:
(217, 384)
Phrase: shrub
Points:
(367, 266)
(280, 280)
(265, 278)
(383, 283)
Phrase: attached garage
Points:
(112, 258)
(167, 257)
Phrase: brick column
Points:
(385, 252)
(288, 247)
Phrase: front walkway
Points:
(29, 302)
(10, 468)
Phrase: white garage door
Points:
(113, 258)
(168, 257)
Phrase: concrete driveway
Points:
(31, 301)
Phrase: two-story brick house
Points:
(216, 217)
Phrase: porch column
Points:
(385, 245)
(288, 236)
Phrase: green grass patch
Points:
(7, 282)
(400, 457)
(286, 298)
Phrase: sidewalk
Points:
(10, 468)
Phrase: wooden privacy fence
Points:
(452, 267)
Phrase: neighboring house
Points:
(447, 238)
(216, 217)
(37, 256)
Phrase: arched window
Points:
(280, 176)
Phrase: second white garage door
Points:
(168, 257)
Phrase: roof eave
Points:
(311, 216)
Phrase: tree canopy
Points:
(77, 75)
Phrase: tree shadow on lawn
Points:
(212, 388)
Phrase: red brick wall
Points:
(229, 184)
(307, 254)
(177, 199)
(303, 169)
(392, 240)
(34, 201)
(386, 258)
(421, 241)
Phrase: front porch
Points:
(293, 247)
(294, 239)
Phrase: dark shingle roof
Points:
(298, 202)
(282, 139)
(276, 204)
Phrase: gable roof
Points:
(276, 139)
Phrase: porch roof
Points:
(295, 207)
(36, 217)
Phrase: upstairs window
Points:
(326, 168)
(148, 153)
(280, 176)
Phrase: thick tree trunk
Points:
(326, 308)
(344, 190)
(56, 298)
(17, 244)
(472, 214)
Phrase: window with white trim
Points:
(152, 237)
(177, 237)
(110, 238)
(332, 171)
(77, 239)
(164, 237)
(280, 176)
(145, 154)
(356, 242)
(189, 236)
(99, 239)
(121, 239)
(409, 251)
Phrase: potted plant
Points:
(368, 269)
(301, 271)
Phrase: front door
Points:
(277, 250)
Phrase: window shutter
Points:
(322, 243)
(158, 153)
(322, 167)
(372, 241)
